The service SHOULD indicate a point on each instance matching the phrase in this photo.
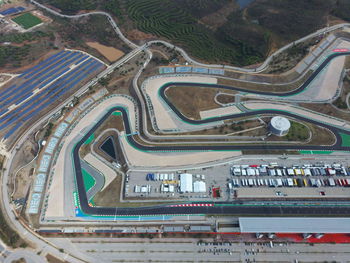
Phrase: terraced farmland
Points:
(178, 23)
(150, 17)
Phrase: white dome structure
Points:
(279, 126)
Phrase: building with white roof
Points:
(186, 183)
(279, 125)
(199, 187)
(294, 225)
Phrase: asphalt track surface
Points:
(99, 179)
(281, 94)
(234, 208)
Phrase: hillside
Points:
(218, 30)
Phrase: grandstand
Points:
(189, 69)
(166, 70)
(41, 177)
(51, 145)
(34, 203)
(216, 71)
(39, 183)
(41, 86)
(183, 69)
(44, 164)
(200, 70)
(61, 129)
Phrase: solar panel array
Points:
(12, 11)
(40, 86)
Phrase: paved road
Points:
(264, 65)
(275, 209)
(260, 68)
(109, 17)
(23, 230)
(267, 93)
(99, 179)
(42, 244)
(29, 256)
(187, 250)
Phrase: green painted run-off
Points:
(89, 181)
(90, 139)
(117, 113)
(315, 152)
(345, 139)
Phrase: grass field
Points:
(27, 20)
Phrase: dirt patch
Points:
(341, 102)
(332, 20)
(120, 80)
(139, 35)
(161, 53)
(321, 136)
(51, 259)
(21, 260)
(236, 128)
(4, 78)
(23, 182)
(347, 63)
(290, 58)
(24, 155)
(113, 121)
(260, 86)
(111, 195)
(110, 53)
(39, 14)
(219, 18)
(327, 109)
(191, 100)
(225, 99)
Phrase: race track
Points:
(295, 207)
(246, 209)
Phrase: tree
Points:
(103, 82)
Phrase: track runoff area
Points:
(295, 207)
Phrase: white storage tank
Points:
(279, 126)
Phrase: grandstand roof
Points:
(294, 225)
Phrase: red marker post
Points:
(340, 50)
